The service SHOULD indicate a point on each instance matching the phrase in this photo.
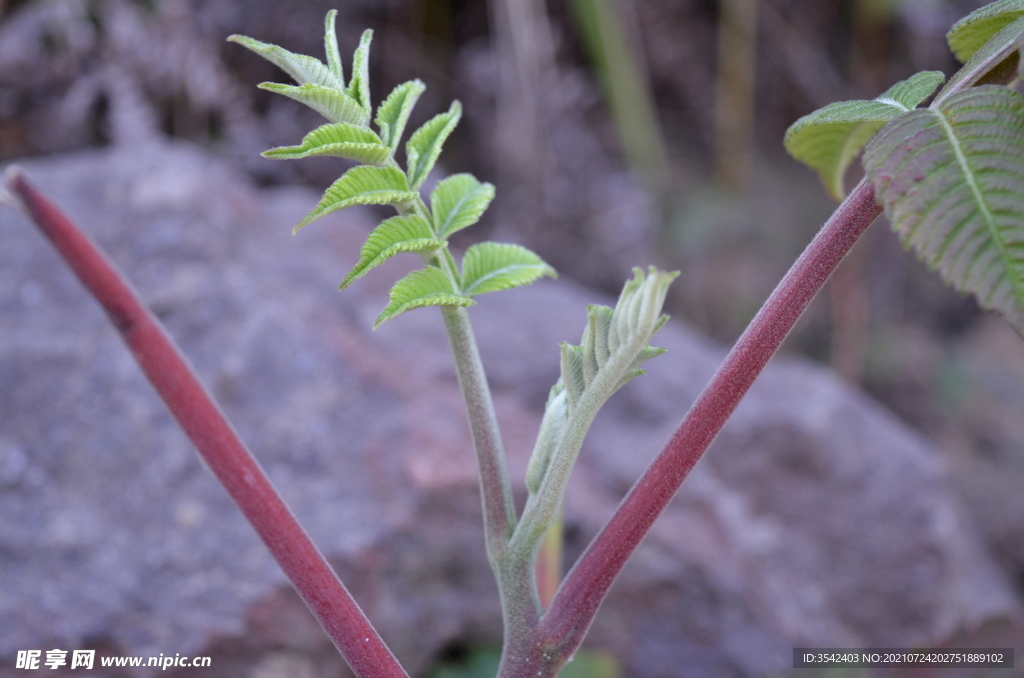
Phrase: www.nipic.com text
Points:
(86, 659)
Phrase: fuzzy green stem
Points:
(499, 510)
(514, 573)
(544, 506)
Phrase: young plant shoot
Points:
(615, 342)
(949, 176)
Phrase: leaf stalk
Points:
(576, 603)
(215, 439)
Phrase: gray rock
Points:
(816, 519)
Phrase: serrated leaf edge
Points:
(536, 269)
(442, 297)
(391, 132)
(389, 196)
(481, 190)
(389, 238)
(420, 163)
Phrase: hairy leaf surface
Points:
(394, 112)
(359, 85)
(426, 287)
(362, 185)
(952, 183)
(425, 144)
(614, 345)
(303, 69)
(830, 138)
(615, 341)
(458, 202)
(331, 103)
(331, 48)
(491, 266)
(391, 236)
(968, 35)
(339, 139)
(995, 58)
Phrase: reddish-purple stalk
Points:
(218, 443)
(563, 627)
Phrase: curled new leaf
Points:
(552, 430)
(830, 138)
(331, 48)
(425, 145)
(615, 343)
(458, 202)
(394, 235)
(359, 85)
(426, 287)
(341, 140)
(304, 69)
(491, 266)
(968, 35)
(951, 179)
(363, 185)
(394, 112)
(333, 104)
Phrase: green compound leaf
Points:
(331, 48)
(458, 202)
(391, 236)
(359, 85)
(339, 139)
(425, 145)
(331, 103)
(995, 63)
(426, 287)
(968, 35)
(952, 183)
(491, 266)
(394, 112)
(830, 138)
(362, 185)
(304, 69)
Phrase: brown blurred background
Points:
(618, 133)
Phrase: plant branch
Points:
(577, 600)
(515, 575)
(217, 442)
(496, 490)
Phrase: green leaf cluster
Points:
(455, 203)
(950, 176)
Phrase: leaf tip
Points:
(308, 219)
(244, 41)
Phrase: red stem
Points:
(561, 630)
(216, 440)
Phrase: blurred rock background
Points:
(618, 132)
